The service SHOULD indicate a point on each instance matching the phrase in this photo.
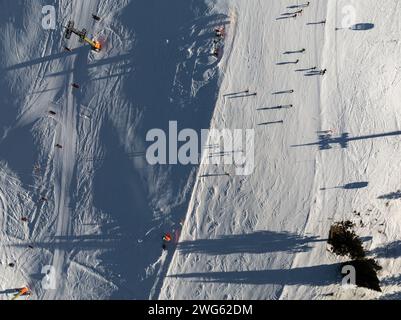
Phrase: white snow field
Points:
(96, 210)
(264, 236)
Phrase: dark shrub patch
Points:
(344, 240)
(366, 273)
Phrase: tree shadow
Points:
(322, 275)
(258, 242)
(391, 250)
(391, 296)
(391, 281)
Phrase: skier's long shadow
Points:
(391, 196)
(271, 122)
(390, 251)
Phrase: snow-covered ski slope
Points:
(261, 236)
(265, 236)
(105, 209)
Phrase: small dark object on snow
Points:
(67, 49)
(97, 18)
(215, 52)
(12, 265)
(59, 146)
(219, 32)
(24, 219)
(44, 199)
(76, 86)
(164, 246)
(52, 113)
(31, 247)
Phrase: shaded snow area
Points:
(101, 227)
(91, 213)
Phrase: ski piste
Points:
(77, 191)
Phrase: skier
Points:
(24, 219)
(215, 52)
(22, 292)
(323, 72)
(52, 113)
(303, 50)
(44, 199)
(59, 146)
(75, 85)
(219, 32)
(167, 237)
(296, 61)
(67, 49)
(97, 18)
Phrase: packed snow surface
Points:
(92, 214)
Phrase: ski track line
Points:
(65, 161)
(64, 176)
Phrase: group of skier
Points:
(310, 71)
(219, 36)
